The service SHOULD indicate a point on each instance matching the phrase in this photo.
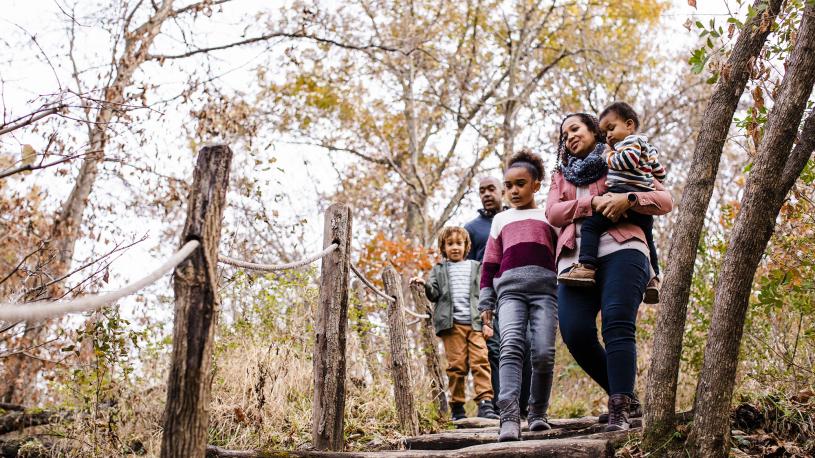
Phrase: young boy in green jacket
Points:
(453, 287)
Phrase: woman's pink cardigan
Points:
(563, 208)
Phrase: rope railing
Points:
(383, 295)
(48, 309)
(370, 285)
(276, 267)
(414, 314)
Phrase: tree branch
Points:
(28, 119)
(30, 167)
(269, 36)
(801, 153)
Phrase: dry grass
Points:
(262, 382)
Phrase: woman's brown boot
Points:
(618, 412)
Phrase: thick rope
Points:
(276, 267)
(417, 315)
(45, 309)
(370, 285)
(383, 295)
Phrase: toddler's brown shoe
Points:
(578, 275)
(652, 291)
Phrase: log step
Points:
(468, 437)
(582, 448)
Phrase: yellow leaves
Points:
(28, 155)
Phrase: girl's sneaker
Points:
(510, 431)
(538, 422)
(578, 275)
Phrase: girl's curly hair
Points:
(590, 122)
(527, 159)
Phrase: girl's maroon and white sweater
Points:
(520, 256)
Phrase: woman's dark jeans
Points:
(621, 278)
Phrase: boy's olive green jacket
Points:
(437, 290)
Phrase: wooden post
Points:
(400, 357)
(430, 350)
(329, 345)
(195, 284)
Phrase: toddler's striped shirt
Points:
(634, 162)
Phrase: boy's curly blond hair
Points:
(451, 230)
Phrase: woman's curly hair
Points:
(590, 122)
(529, 160)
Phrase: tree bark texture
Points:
(763, 198)
(195, 284)
(400, 355)
(328, 406)
(430, 350)
(660, 398)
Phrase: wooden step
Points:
(580, 448)
(467, 437)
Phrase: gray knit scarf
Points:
(591, 168)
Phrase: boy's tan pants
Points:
(467, 351)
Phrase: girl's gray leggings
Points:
(518, 314)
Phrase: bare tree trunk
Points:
(195, 283)
(430, 350)
(400, 355)
(754, 226)
(328, 407)
(69, 219)
(660, 396)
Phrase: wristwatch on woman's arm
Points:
(632, 200)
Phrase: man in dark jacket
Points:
(491, 192)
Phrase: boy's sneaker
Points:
(578, 275)
(485, 410)
(457, 411)
(652, 291)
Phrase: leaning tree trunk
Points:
(660, 398)
(754, 225)
(65, 230)
(69, 220)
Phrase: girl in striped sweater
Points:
(518, 283)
